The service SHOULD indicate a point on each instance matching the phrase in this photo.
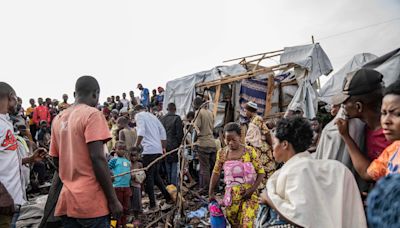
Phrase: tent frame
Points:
(256, 70)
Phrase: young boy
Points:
(121, 184)
(43, 135)
(137, 180)
(126, 134)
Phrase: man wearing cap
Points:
(144, 96)
(362, 98)
(258, 136)
(332, 146)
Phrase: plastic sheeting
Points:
(388, 65)
(306, 98)
(182, 91)
(335, 83)
(311, 57)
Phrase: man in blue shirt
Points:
(121, 184)
(144, 96)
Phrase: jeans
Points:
(172, 172)
(99, 222)
(123, 195)
(153, 177)
(207, 161)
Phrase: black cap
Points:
(359, 82)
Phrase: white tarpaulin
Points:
(388, 65)
(312, 62)
(311, 57)
(335, 83)
(182, 91)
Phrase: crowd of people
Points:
(292, 172)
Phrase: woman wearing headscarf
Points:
(258, 136)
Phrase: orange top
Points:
(387, 163)
(81, 195)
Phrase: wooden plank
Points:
(270, 93)
(263, 57)
(249, 56)
(242, 76)
(216, 100)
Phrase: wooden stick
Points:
(263, 57)
(271, 52)
(270, 93)
(153, 162)
(242, 76)
(216, 100)
(161, 217)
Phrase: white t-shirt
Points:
(10, 164)
(153, 132)
(125, 102)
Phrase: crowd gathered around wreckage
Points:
(241, 145)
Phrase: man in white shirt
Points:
(152, 137)
(124, 101)
(13, 192)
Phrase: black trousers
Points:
(153, 178)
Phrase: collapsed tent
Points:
(388, 65)
(311, 63)
(272, 88)
(335, 83)
(182, 91)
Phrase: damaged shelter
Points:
(290, 84)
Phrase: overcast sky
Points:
(46, 45)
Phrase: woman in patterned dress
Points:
(243, 173)
(258, 136)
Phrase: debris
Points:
(200, 213)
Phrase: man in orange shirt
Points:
(78, 136)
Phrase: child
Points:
(126, 134)
(137, 180)
(43, 135)
(121, 184)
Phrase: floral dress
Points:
(239, 211)
(256, 137)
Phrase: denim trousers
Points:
(172, 172)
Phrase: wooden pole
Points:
(249, 56)
(242, 76)
(216, 100)
(270, 93)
